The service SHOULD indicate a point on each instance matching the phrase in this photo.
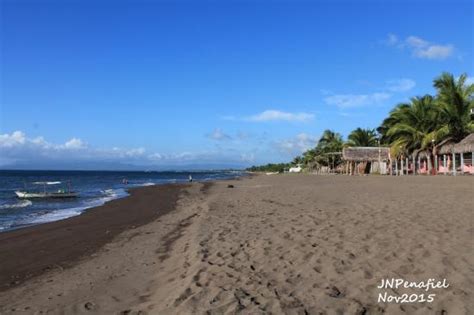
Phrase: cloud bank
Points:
(17, 148)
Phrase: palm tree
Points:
(297, 160)
(329, 142)
(455, 99)
(363, 138)
(412, 126)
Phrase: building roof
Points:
(445, 146)
(365, 153)
(465, 145)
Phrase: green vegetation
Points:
(410, 128)
(280, 168)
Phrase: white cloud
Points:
(421, 48)
(349, 100)
(296, 145)
(357, 100)
(135, 152)
(276, 115)
(416, 42)
(219, 135)
(17, 148)
(435, 52)
(401, 85)
(16, 138)
(74, 143)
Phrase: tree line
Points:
(410, 128)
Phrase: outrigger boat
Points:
(60, 193)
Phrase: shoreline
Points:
(31, 251)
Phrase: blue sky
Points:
(233, 83)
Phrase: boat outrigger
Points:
(60, 193)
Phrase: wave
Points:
(109, 194)
(148, 184)
(54, 215)
(61, 214)
(20, 204)
(47, 183)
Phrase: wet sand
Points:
(28, 252)
(281, 244)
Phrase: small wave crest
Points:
(148, 184)
(20, 204)
(107, 195)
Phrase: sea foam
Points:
(20, 204)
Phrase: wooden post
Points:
(454, 164)
(428, 161)
(414, 164)
(396, 167)
(435, 164)
(419, 162)
(406, 160)
(462, 163)
(444, 163)
(401, 166)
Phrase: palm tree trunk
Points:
(428, 156)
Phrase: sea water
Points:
(94, 188)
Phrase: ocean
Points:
(94, 189)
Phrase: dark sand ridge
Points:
(30, 251)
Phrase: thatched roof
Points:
(422, 154)
(365, 153)
(466, 145)
(445, 146)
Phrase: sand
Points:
(27, 252)
(291, 244)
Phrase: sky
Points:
(156, 84)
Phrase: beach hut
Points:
(465, 149)
(365, 160)
(445, 157)
(422, 162)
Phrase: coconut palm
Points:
(363, 138)
(330, 142)
(455, 99)
(413, 126)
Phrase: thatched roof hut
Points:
(445, 147)
(466, 145)
(365, 154)
(422, 154)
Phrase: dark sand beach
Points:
(30, 251)
(280, 244)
